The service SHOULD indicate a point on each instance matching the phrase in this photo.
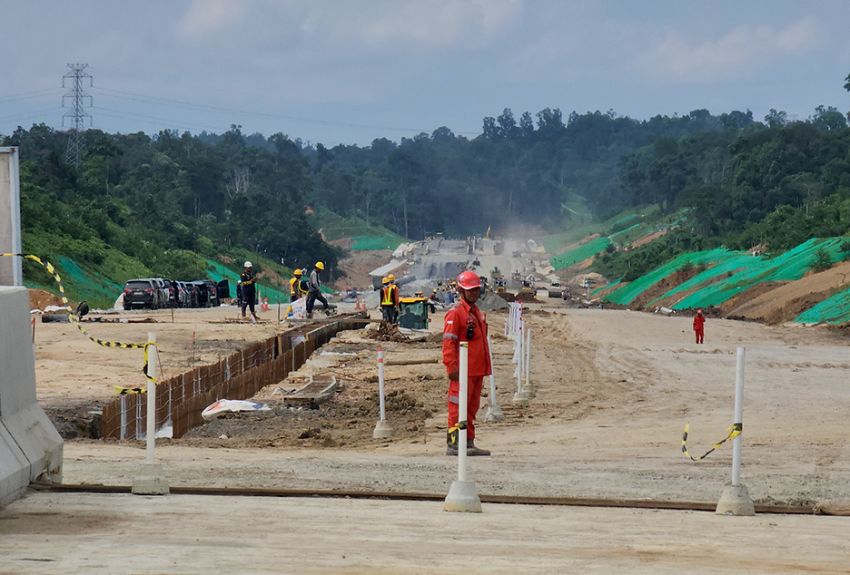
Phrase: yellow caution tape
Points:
(734, 431)
(129, 390)
(73, 317)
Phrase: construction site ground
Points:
(614, 390)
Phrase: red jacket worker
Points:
(465, 322)
(699, 326)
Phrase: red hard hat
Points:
(468, 280)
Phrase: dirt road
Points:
(109, 534)
(614, 388)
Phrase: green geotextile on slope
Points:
(370, 243)
(606, 286)
(835, 309)
(628, 293)
(736, 261)
(580, 253)
(93, 287)
(789, 266)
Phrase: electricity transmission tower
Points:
(77, 115)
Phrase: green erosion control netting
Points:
(381, 242)
(835, 309)
(628, 293)
(790, 266)
(730, 273)
(606, 286)
(218, 272)
(580, 253)
(724, 267)
(96, 288)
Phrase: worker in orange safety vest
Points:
(465, 322)
(389, 299)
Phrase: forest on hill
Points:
(170, 200)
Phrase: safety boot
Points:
(451, 441)
(472, 451)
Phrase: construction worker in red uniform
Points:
(389, 299)
(465, 322)
(699, 326)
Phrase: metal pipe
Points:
(421, 496)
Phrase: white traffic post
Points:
(151, 480)
(382, 428)
(494, 410)
(528, 388)
(520, 398)
(463, 495)
(735, 499)
(150, 434)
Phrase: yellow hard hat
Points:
(320, 266)
(385, 280)
(391, 277)
(298, 272)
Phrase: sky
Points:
(349, 71)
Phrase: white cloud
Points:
(411, 23)
(737, 53)
(205, 17)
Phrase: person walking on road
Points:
(465, 322)
(314, 287)
(248, 290)
(699, 326)
(389, 300)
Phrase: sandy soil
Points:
(358, 265)
(647, 239)
(607, 420)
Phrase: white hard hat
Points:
(249, 265)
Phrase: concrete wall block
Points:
(30, 447)
(14, 468)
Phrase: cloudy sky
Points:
(348, 71)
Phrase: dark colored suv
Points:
(141, 293)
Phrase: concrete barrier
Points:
(30, 447)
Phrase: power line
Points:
(153, 119)
(27, 95)
(78, 115)
(122, 94)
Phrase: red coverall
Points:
(699, 327)
(455, 331)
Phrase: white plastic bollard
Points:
(494, 410)
(382, 428)
(150, 479)
(735, 499)
(520, 398)
(528, 387)
(463, 495)
(150, 434)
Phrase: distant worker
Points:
(314, 289)
(465, 322)
(248, 290)
(389, 299)
(295, 286)
(699, 326)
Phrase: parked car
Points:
(203, 293)
(141, 293)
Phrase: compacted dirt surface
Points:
(614, 389)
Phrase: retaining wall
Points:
(30, 447)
